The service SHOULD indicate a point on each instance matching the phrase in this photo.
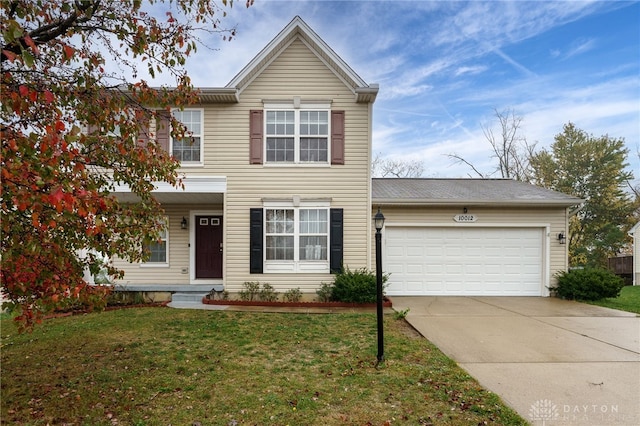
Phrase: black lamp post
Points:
(379, 223)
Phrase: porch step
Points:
(188, 297)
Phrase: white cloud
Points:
(466, 70)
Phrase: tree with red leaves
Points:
(71, 130)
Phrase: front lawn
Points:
(160, 366)
(629, 300)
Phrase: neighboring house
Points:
(278, 190)
(635, 234)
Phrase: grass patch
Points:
(153, 366)
(629, 300)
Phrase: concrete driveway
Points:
(555, 362)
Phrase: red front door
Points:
(208, 246)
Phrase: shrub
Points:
(268, 294)
(324, 292)
(357, 286)
(588, 284)
(251, 290)
(293, 295)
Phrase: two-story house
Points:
(278, 190)
(277, 185)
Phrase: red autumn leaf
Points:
(29, 42)
(55, 198)
(35, 219)
(9, 55)
(68, 51)
(48, 96)
(24, 90)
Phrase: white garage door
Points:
(463, 261)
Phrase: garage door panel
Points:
(464, 261)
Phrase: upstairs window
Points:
(189, 150)
(297, 136)
(296, 132)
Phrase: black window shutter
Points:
(255, 241)
(336, 240)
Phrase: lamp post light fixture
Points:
(378, 219)
(562, 238)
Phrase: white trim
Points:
(192, 184)
(192, 246)
(545, 244)
(297, 103)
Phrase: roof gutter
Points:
(367, 94)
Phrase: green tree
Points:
(71, 129)
(594, 169)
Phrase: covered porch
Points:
(190, 255)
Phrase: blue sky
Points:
(443, 68)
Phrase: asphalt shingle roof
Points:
(464, 191)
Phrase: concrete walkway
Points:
(555, 362)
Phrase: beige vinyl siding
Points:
(295, 72)
(555, 218)
(298, 72)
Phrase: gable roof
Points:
(394, 191)
(298, 29)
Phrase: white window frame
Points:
(297, 265)
(193, 133)
(164, 264)
(297, 107)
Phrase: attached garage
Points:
(471, 237)
(470, 261)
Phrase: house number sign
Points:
(465, 218)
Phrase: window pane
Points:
(280, 149)
(279, 221)
(280, 123)
(190, 119)
(187, 149)
(313, 221)
(279, 248)
(314, 123)
(313, 149)
(313, 248)
(158, 252)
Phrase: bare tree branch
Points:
(508, 147)
(381, 167)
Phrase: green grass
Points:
(629, 300)
(159, 366)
